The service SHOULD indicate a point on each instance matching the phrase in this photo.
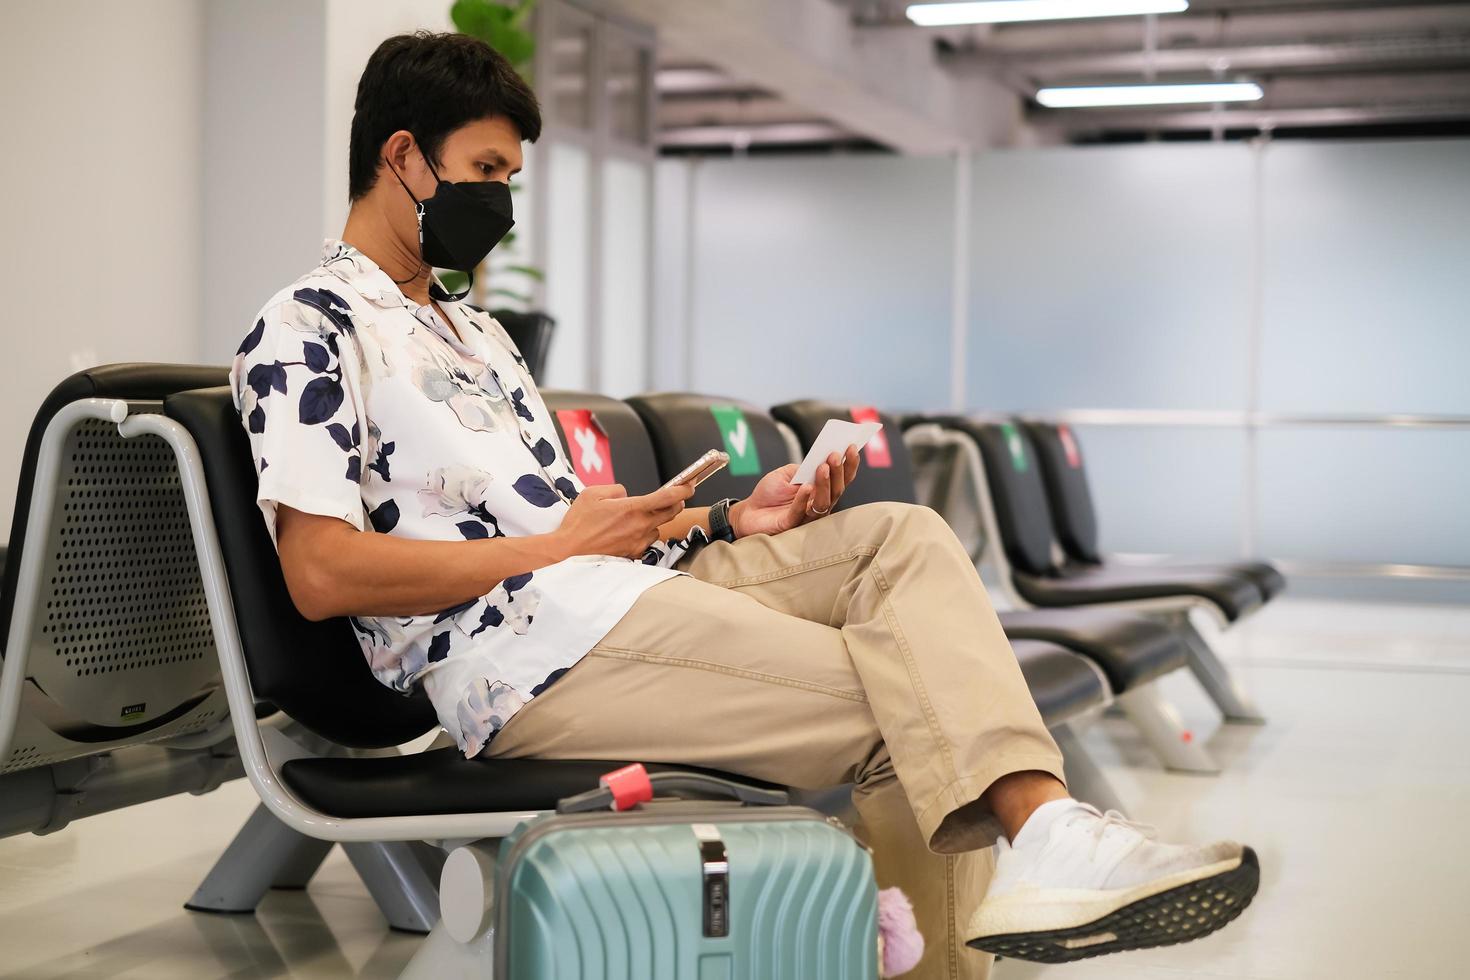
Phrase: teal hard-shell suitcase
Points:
(686, 890)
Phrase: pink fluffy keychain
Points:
(900, 944)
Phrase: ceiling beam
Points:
(740, 137)
(889, 89)
(1377, 52)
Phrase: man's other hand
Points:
(778, 505)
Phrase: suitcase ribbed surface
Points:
(626, 903)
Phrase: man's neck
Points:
(369, 232)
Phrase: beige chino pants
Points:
(859, 648)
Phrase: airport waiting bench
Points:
(136, 515)
(111, 692)
(1069, 497)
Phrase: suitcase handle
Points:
(691, 785)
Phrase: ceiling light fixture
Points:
(1090, 96)
(1007, 11)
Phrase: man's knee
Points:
(886, 519)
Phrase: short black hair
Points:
(432, 84)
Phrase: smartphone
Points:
(701, 469)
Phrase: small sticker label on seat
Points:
(876, 453)
(590, 452)
(739, 440)
(1015, 446)
(1069, 446)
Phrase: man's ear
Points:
(399, 153)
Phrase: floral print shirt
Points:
(363, 405)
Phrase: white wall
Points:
(354, 28)
(817, 277)
(265, 164)
(1126, 278)
(102, 109)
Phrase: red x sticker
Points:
(876, 454)
(590, 452)
(1069, 446)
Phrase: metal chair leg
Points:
(1085, 781)
(1164, 730)
(263, 852)
(1218, 681)
(403, 878)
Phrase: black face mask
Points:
(459, 224)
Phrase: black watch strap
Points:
(719, 520)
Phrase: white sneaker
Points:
(1080, 883)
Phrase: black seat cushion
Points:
(892, 480)
(1265, 576)
(683, 428)
(444, 781)
(313, 671)
(1130, 649)
(138, 381)
(1061, 684)
(1080, 585)
(632, 462)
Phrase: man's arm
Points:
(333, 569)
(678, 529)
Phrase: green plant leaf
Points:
(501, 26)
(527, 270)
(510, 294)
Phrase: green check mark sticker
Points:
(1016, 446)
(739, 440)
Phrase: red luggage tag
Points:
(629, 786)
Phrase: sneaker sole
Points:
(1178, 915)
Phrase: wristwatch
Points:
(719, 520)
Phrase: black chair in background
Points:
(1033, 569)
(1070, 495)
(531, 333)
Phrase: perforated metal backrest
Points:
(313, 671)
(1060, 452)
(886, 475)
(685, 426)
(630, 460)
(120, 584)
(120, 647)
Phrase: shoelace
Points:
(1114, 819)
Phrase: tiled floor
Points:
(1356, 796)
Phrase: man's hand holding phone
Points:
(604, 520)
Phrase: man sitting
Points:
(413, 480)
